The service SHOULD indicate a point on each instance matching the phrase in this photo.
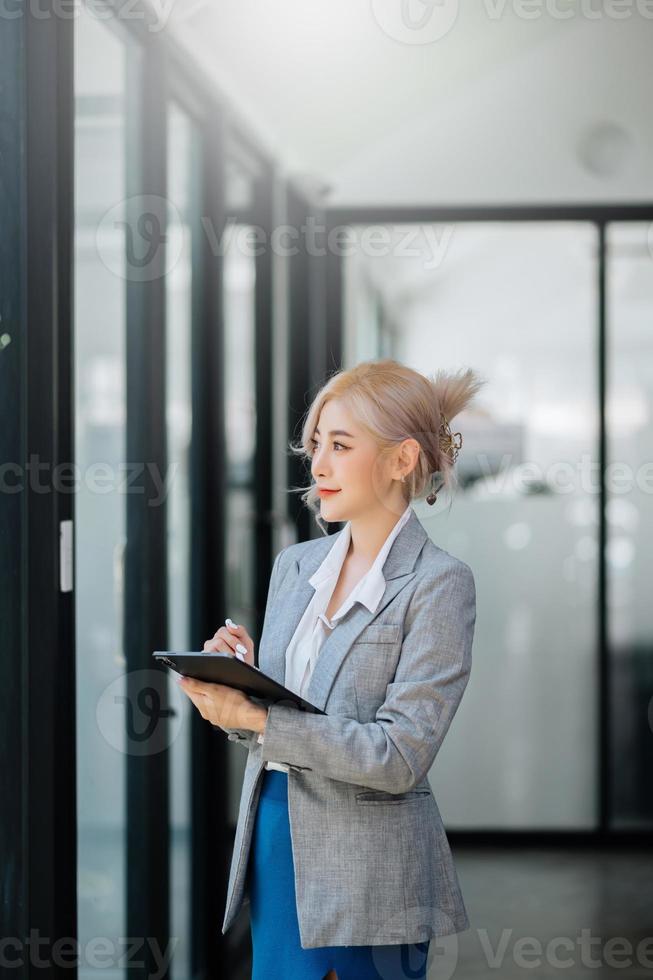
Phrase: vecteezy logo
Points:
(437, 956)
(140, 712)
(140, 238)
(415, 21)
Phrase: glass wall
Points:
(371, 336)
(101, 126)
(629, 481)
(113, 305)
(240, 418)
(518, 303)
(239, 313)
(239, 317)
(184, 184)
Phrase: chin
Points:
(342, 513)
(331, 510)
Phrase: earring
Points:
(433, 495)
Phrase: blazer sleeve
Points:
(243, 735)
(395, 752)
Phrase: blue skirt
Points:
(276, 946)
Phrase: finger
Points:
(216, 646)
(185, 688)
(232, 645)
(207, 706)
(245, 645)
(192, 686)
(200, 703)
(207, 689)
(238, 633)
(221, 641)
(224, 633)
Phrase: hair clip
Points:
(447, 440)
(448, 445)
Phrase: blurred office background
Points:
(208, 208)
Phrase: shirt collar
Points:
(371, 587)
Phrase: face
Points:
(346, 459)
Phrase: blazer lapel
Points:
(293, 596)
(296, 592)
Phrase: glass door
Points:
(517, 302)
(182, 302)
(124, 723)
(101, 142)
(239, 386)
(629, 541)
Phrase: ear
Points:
(407, 456)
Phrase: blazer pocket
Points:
(377, 796)
(380, 633)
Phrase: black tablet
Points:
(225, 668)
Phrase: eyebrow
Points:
(337, 432)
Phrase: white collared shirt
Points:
(314, 627)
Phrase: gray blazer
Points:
(371, 857)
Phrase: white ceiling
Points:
(496, 109)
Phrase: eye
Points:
(315, 445)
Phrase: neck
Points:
(370, 530)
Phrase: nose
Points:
(318, 467)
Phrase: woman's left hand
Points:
(224, 706)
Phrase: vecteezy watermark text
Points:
(154, 17)
(428, 242)
(563, 476)
(414, 22)
(507, 475)
(142, 238)
(100, 952)
(99, 477)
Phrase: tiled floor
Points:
(598, 906)
(541, 913)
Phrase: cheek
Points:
(360, 472)
(375, 471)
(353, 469)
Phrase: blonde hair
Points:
(392, 402)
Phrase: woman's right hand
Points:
(233, 639)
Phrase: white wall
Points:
(496, 110)
(519, 133)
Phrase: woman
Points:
(340, 846)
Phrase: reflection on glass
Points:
(517, 303)
(183, 187)
(629, 525)
(239, 285)
(373, 336)
(240, 413)
(100, 128)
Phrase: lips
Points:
(326, 493)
